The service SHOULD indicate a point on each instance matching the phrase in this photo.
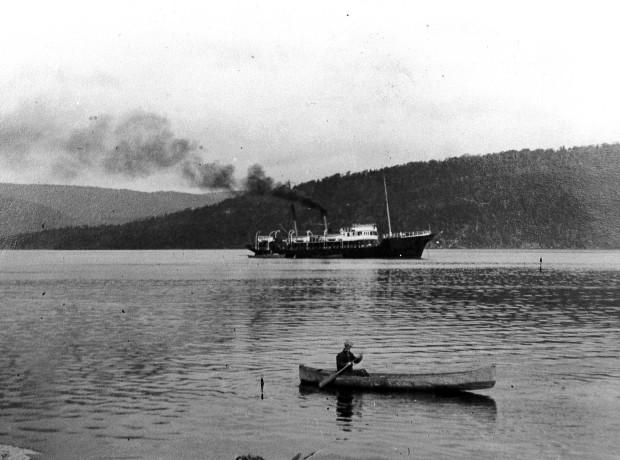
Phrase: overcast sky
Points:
(146, 95)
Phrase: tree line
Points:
(562, 198)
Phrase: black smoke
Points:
(209, 175)
(286, 193)
(135, 145)
(258, 183)
(138, 144)
(144, 143)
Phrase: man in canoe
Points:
(346, 356)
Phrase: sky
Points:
(188, 96)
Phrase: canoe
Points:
(475, 379)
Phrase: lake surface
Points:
(159, 354)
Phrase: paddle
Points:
(330, 378)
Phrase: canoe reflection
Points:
(350, 404)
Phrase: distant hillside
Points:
(567, 198)
(20, 216)
(28, 208)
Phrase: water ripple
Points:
(115, 356)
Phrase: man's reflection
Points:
(347, 405)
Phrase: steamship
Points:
(359, 241)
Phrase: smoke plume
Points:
(257, 182)
(143, 144)
(136, 145)
(209, 175)
(282, 191)
(139, 144)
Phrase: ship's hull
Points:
(265, 253)
(409, 247)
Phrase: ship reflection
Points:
(350, 405)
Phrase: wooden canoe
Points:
(475, 379)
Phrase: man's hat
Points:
(347, 342)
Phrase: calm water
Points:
(159, 354)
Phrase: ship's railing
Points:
(333, 244)
(263, 241)
(406, 234)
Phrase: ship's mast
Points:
(387, 207)
(294, 216)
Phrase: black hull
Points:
(265, 253)
(389, 248)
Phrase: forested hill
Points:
(30, 207)
(566, 198)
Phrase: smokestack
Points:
(324, 215)
(294, 216)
